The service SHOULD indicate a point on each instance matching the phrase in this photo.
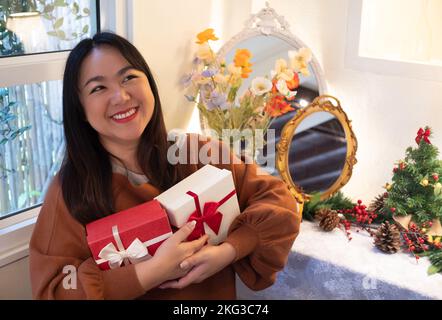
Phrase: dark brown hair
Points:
(86, 172)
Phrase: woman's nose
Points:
(120, 95)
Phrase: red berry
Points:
(393, 209)
(359, 201)
(385, 194)
(395, 170)
(435, 177)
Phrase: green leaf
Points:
(58, 23)
(4, 140)
(74, 35)
(47, 16)
(60, 3)
(48, 8)
(432, 270)
(35, 193)
(86, 11)
(61, 35)
(52, 33)
(86, 28)
(75, 8)
(437, 189)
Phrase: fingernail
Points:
(192, 224)
(184, 265)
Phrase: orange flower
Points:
(241, 59)
(205, 36)
(277, 106)
(294, 83)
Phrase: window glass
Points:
(31, 143)
(36, 26)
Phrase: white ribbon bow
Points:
(136, 252)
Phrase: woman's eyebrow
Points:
(101, 78)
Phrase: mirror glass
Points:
(317, 152)
(265, 51)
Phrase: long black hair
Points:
(86, 172)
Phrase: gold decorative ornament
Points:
(322, 103)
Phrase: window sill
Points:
(15, 234)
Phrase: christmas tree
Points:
(415, 187)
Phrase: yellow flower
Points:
(205, 36)
(241, 60)
(299, 60)
(430, 239)
(388, 186)
(437, 240)
(282, 71)
(424, 182)
(205, 53)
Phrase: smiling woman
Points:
(112, 119)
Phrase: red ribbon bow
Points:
(210, 215)
(423, 134)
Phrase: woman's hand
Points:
(204, 263)
(165, 264)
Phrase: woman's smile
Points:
(125, 115)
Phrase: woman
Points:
(116, 158)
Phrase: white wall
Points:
(165, 33)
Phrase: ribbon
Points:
(209, 215)
(421, 134)
(136, 252)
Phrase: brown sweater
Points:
(262, 235)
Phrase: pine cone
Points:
(321, 213)
(330, 220)
(388, 238)
(377, 204)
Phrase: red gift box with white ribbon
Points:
(129, 236)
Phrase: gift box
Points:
(128, 236)
(207, 196)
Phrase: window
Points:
(395, 37)
(35, 36)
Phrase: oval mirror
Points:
(268, 37)
(317, 149)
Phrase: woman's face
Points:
(116, 98)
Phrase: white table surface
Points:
(325, 265)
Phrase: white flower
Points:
(205, 53)
(282, 71)
(260, 85)
(299, 60)
(234, 71)
(281, 85)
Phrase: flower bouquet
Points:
(214, 86)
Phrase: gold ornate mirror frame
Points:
(321, 103)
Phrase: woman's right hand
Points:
(165, 264)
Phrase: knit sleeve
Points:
(264, 232)
(61, 266)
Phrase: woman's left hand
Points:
(207, 261)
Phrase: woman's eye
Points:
(129, 77)
(96, 89)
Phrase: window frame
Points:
(16, 230)
(353, 60)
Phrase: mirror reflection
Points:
(265, 51)
(317, 152)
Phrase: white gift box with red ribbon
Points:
(207, 196)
